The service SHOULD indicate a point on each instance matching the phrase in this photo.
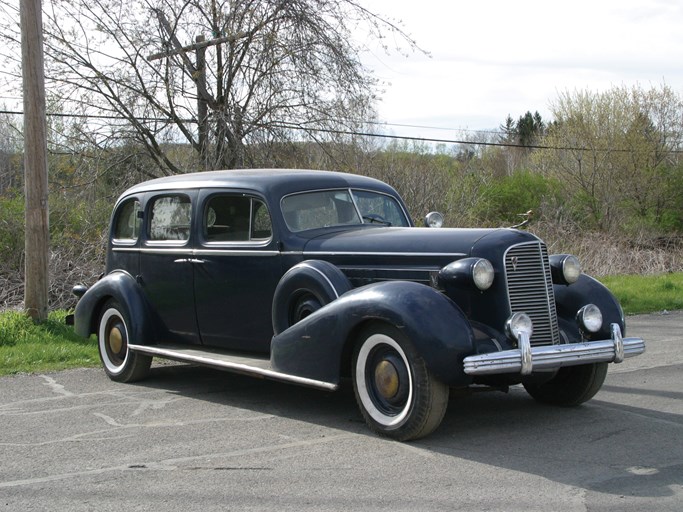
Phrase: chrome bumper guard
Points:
(527, 359)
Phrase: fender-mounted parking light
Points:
(589, 318)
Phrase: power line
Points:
(376, 123)
(425, 127)
(96, 116)
(411, 138)
(288, 126)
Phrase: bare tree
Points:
(10, 171)
(270, 71)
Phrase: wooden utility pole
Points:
(36, 282)
(198, 73)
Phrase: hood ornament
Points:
(527, 218)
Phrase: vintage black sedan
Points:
(312, 276)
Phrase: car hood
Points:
(424, 245)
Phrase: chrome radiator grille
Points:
(530, 290)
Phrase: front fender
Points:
(123, 288)
(438, 329)
(571, 298)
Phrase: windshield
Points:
(325, 208)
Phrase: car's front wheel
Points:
(120, 363)
(397, 394)
(572, 385)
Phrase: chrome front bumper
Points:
(527, 359)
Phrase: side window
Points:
(170, 218)
(260, 224)
(127, 222)
(232, 218)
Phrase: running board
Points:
(252, 365)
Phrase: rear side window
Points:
(128, 221)
(170, 218)
(236, 218)
(260, 221)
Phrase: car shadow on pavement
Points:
(601, 446)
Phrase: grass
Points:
(647, 294)
(29, 348)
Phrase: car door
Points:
(237, 267)
(166, 261)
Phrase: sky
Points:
(491, 58)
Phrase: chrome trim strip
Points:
(389, 269)
(178, 250)
(199, 252)
(327, 280)
(234, 252)
(550, 357)
(221, 361)
(308, 254)
(125, 249)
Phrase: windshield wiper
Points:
(376, 219)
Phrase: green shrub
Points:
(502, 201)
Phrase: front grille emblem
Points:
(513, 261)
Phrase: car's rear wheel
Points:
(120, 363)
(572, 385)
(397, 394)
(302, 306)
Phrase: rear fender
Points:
(123, 288)
(442, 335)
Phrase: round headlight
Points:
(433, 220)
(482, 274)
(571, 269)
(517, 323)
(565, 268)
(589, 318)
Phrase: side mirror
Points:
(433, 220)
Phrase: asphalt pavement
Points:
(190, 438)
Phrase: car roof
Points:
(269, 182)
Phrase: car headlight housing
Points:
(565, 268)
(482, 274)
(518, 323)
(589, 318)
(468, 271)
